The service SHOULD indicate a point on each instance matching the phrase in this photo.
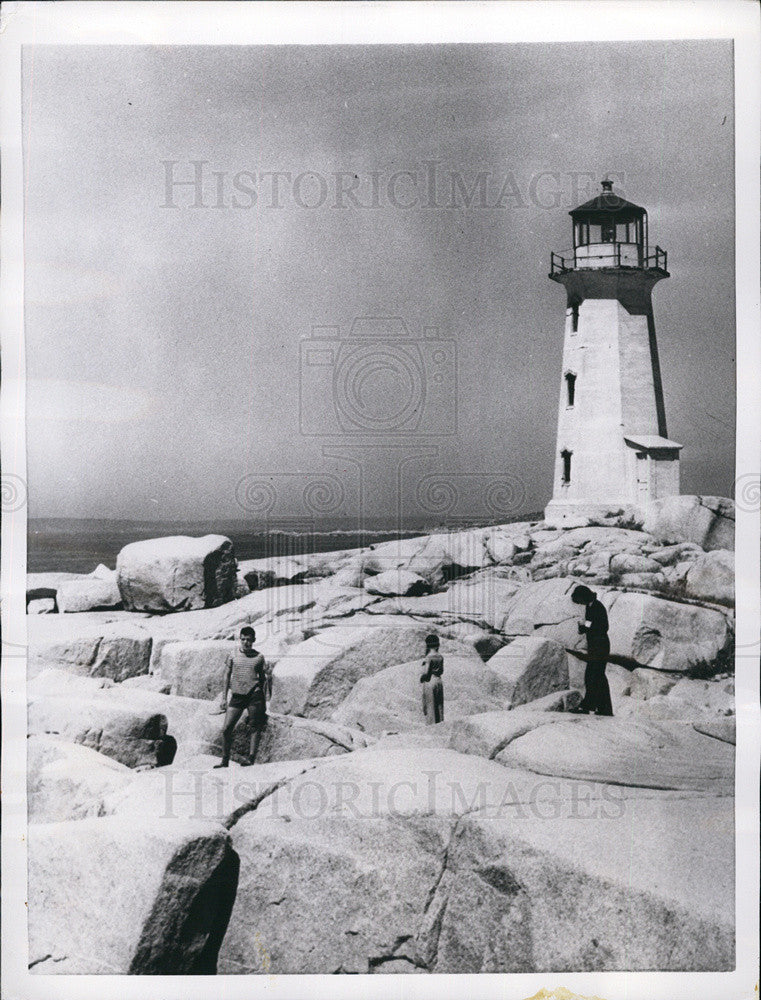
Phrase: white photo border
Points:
(309, 23)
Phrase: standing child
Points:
(433, 686)
(246, 679)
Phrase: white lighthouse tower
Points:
(612, 446)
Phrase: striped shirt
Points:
(434, 664)
(247, 673)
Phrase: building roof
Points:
(651, 442)
(608, 202)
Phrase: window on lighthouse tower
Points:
(574, 317)
(566, 456)
(570, 385)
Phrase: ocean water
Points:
(69, 545)
(73, 545)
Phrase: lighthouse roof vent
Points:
(605, 205)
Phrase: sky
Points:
(169, 327)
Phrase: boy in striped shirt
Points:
(246, 681)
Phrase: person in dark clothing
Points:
(595, 626)
(433, 686)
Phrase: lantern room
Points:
(609, 232)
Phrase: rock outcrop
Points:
(532, 667)
(396, 583)
(707, 521)
(131, 736)
(315, 676)
(417, 860)
(97, 592)
(390, 700)
(711, 577)
(68, 781)
(511, 837)
(116, 649)
(196, 669)
(174, 880)
(178, 573)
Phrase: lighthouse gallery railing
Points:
(615, 255)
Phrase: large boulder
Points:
(711, 577)
(41, 606)
(633, 752)
(482, 597)
(544, 605)
(707, 521)
(196, 725)
(396, 583)
(174, 882)
(532, 667)
(39, 585)
(273, 571)
(314, 677)
(115, 649)
(716, 697)
(391, 701)
(630, 562)
(668, 635)
(289, 738)
(408, 859)
(436, 558)
(648, 629)
(336, 895)
(196, 669)
(131, 736)
(91, 594)
(69, 781)
(503, 542)
(641, 581)
(194, 789)
(177, 573)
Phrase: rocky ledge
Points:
(512, 837)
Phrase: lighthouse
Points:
(612, 449)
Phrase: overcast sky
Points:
(164, 343)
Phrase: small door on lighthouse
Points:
(643, 478)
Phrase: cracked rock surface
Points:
(511, 837)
